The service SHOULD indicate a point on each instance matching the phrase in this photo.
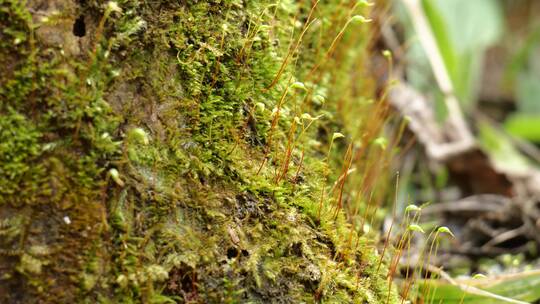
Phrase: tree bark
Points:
(146, 154)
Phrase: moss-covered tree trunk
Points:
(166, 151)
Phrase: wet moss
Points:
(144, 162)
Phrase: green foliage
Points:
(516, 288)
(462, 37)
(522, 78)
(19, 147)
(500, 149)
(525, 126)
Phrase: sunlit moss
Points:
(159, 143)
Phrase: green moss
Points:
(215, 200)
(19, 147)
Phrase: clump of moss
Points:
(166, 155)
(19, 147)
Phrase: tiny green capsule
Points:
(479, 276)
(414, 227)
(412, 207)
(444, 229)
(365, 3)
(139, 135)
(381, 142)
(299, 85)
(359, 19)
(319, 99)
(337, 135)
(116, 177)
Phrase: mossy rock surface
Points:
(156, 152)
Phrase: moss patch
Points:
(164, 154)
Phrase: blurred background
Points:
(466, 75)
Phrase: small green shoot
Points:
(113, 173)
(138, 135)
(381, 142)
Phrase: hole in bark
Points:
(79, 27)
(232, 252)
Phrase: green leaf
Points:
(500, 150)
(515, 288)
(520, 61)
(527, 91)
(526, 126)
(463, 29)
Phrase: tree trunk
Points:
(156, 152)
